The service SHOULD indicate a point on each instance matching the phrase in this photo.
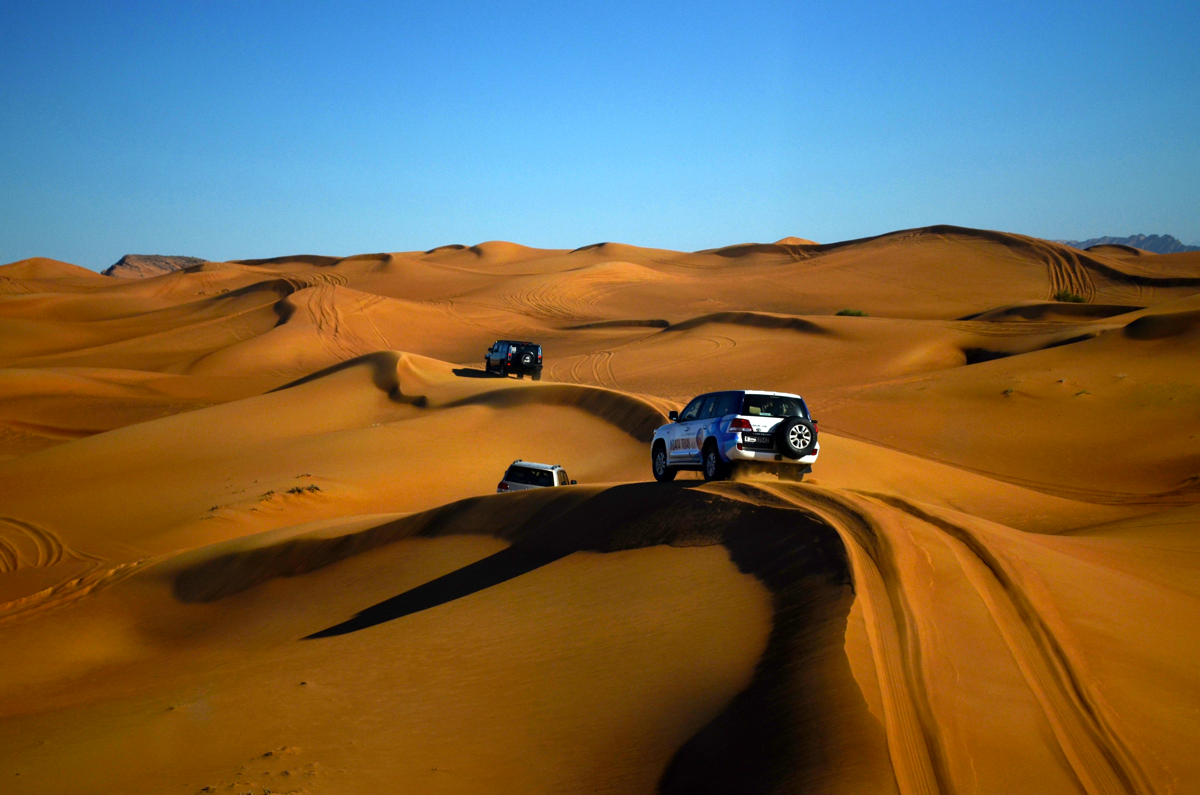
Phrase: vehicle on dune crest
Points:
(510, 356)
(523, 475)
(771, 431)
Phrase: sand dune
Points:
(249, 540)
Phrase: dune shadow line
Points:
(492, 570)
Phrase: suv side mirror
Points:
(673, 416)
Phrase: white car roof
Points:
(760, 392)
(535, 465)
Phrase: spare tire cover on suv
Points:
(795, 437)
(527, 358)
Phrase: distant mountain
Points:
(142, 266)
(1159, 244)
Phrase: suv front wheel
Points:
(663, 471)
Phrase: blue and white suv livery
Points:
(767, 430)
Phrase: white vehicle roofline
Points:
(761, 392)
(536, 465)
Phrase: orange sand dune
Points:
(249, 539)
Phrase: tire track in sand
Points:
(26, 545)
(332, 326)
(590, 368)
(1084, 726)
(888, 631)
(67, 591)
(1079, 717)
(1068, 273)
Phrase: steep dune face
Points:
(1110, 403)
(247, 517)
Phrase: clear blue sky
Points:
(248, 129)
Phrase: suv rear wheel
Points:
(714, 467)
(663, 471)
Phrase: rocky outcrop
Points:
(142, 266)
(1159, 244)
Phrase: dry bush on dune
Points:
(1066, 296)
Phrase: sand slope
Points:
(249, 540)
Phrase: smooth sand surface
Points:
(249, 539)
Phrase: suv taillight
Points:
(739, 424)
(502, 486)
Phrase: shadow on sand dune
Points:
(800, 713)
(470, 372)
(492, 570)
(801, 710)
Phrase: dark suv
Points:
(510, 356)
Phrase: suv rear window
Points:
(773, 406)
(529, 477)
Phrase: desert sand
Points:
(249, 540)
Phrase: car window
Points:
(692, 409)
(730, 403)
(529, 477)
(773, 406)
(710, 405)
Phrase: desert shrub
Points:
(1067, 297)
(852, 313)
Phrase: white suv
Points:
(768, 430)
(524, 475)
